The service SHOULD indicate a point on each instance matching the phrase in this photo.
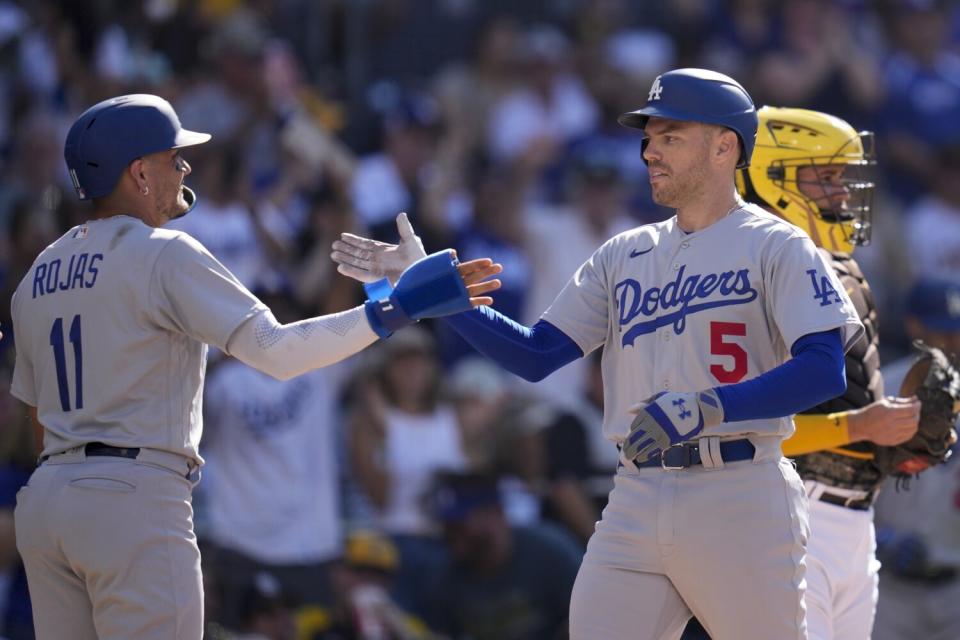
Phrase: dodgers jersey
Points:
(112, 324)
(679, 311)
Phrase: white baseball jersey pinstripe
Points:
(685, 312)
(112, 324)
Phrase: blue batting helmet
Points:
(111, 134)
(700, 95)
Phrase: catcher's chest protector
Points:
(854, 471)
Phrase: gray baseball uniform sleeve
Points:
(192, 293)
(587, 294)
(801, 287)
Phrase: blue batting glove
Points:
(428, 288)
(670, 418)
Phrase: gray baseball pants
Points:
(109, 548)
(726, 544)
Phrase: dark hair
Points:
(409, 341)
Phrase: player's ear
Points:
(727, 146)
(136, 171)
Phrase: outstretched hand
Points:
(431, 287)
(369, 260)
(475, 274)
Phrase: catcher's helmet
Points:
(111, 134)
(789, 139)
(700, 95)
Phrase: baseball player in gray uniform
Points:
(111, 328)
(704, 319)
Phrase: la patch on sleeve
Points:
(823, 289)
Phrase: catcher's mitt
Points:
(936, 382)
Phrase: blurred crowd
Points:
(418, 491)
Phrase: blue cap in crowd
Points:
(456, 495)
(936, 303)
(412, 110)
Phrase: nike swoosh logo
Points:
(634, 253)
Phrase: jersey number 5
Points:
(59, 358)
(719, 347)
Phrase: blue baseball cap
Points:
(936, 303)
(412, 111)
(111, 134)
(457, 495)
(700, 95)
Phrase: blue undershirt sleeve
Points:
(816, 373)
(532, 353)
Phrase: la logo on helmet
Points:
(655, 90)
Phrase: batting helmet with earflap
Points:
(111, 134)
(700, 95)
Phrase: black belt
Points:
(100, 449)
(857, 504)
(687, 454)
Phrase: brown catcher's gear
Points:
(934, 380)
(851, 466)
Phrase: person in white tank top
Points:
(400, 436)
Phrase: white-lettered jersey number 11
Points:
(720, 347)
(59, 358)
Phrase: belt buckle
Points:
(672, 467)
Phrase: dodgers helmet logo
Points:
(688, 294)
(822, 288)
(655, 90)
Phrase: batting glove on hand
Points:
(667, 419)
(369, 260)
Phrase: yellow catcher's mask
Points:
(833, 196)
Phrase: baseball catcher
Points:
(816, 171)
